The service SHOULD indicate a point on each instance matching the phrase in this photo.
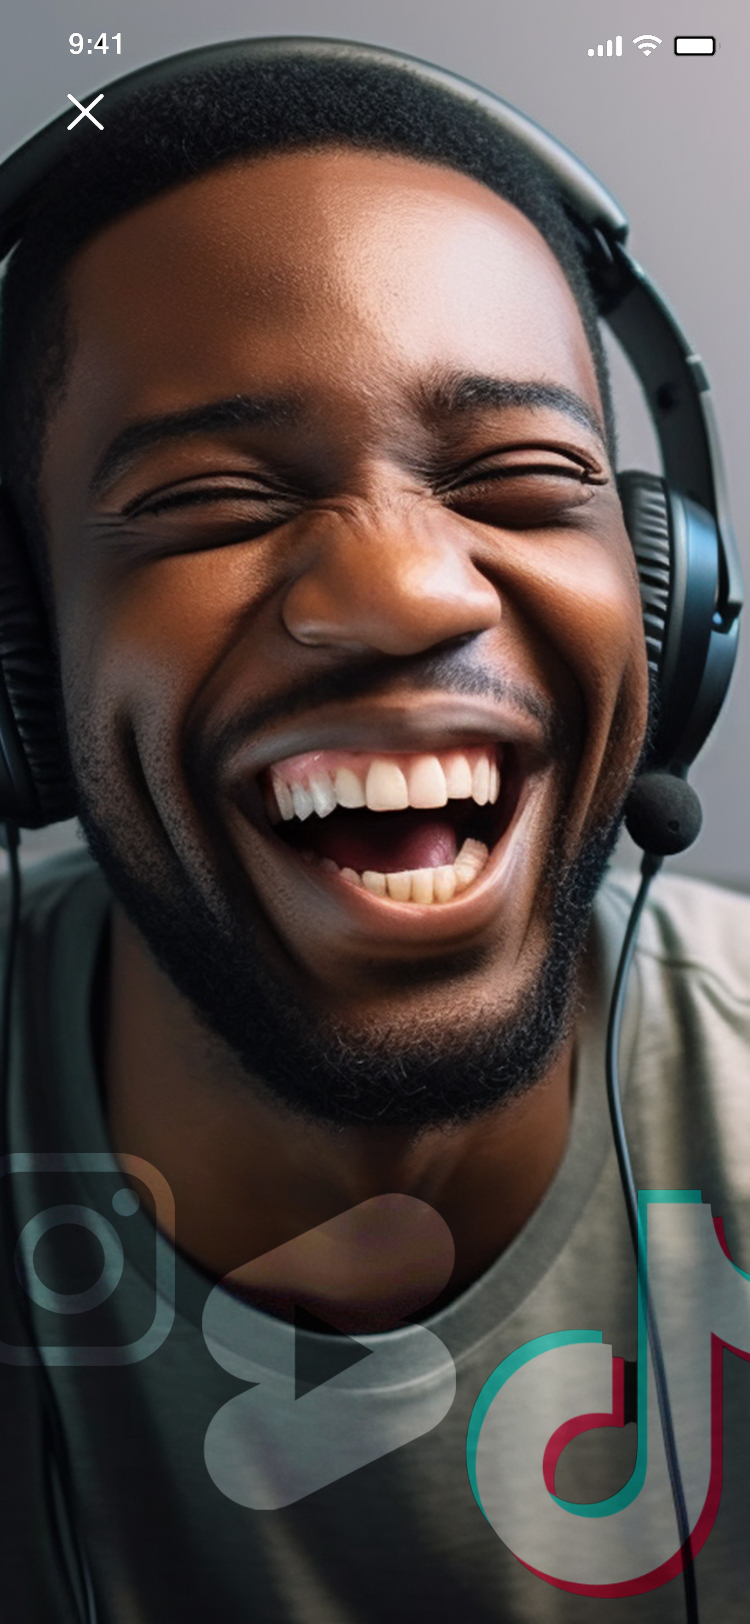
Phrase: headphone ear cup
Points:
(646, 513)
(35, 783)
(690, 653)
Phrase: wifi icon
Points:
(647, 43)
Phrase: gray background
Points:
(668, 135)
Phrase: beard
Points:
(313, 1066)
(440, 1074)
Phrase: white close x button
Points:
(86, 111)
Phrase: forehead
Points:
(336, 269)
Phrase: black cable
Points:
(60, 1484)
(649, 867)
(9, 838)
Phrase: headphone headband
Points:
(679, 526)
(23, 171)
(672, 375)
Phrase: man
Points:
(310, 438)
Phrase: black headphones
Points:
(679, 524)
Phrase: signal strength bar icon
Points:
(599, 50)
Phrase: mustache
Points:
(450, 672)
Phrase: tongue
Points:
(386, 842)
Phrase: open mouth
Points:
(417, 827)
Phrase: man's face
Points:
(329, 514)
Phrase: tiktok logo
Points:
(558, 1386)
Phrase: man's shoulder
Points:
(689, 925)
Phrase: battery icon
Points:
(695, 45)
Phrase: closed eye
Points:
(201, 493)
(525, 487)
(198, 514)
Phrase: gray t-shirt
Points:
(213, 1482)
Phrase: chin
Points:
(431, 1050)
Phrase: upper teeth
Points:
(322, 780)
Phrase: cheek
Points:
(607, 651)
(138, 648)
(601, 627)
(584, 602)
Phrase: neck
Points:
(249, 1180)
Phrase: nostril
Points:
(370, 589)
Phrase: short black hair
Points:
(167, 134)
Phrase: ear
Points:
(35, 784)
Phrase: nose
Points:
(394, 582)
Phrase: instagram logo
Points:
(90, 1236)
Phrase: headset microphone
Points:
(663, 814)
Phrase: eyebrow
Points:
(237, 411)
(458, 394)
(449, 396)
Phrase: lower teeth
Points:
(419, 885)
